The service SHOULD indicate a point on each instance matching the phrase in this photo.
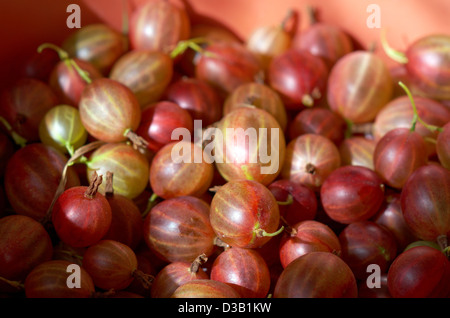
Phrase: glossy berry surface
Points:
(306, 237)
(406, 276)
(205, 288)
(243, 212)
(352, 193)
(25, 244)
(299, 77)
(251, 283)
(178, 229)
(81, 216)
(107, 101)
(316, 275)
(352, 84)
(50, 280)
(425, 202)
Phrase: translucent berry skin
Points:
(425, 202)
(419, 272)
(108, 109)
(316, 275)
(327, 41)
(49, 280)
(32, 177)
(429, 63)
(352, 193)
(158, 26)
(241, 208)
(25, 244)
(179, 230)
(243, 269)
(398, 154)
(299, 77)
(111, 264)
(81, 221)
(359, 86)
(227, 66)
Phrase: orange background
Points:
(24, 24)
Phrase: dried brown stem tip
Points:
(443, 242)
(197, 263)
(260, 77)
(137, 141)
(312, 14)
(77, 155)
(310, 168)
(215, 188)
(145, 279)
(218, 242)
(103, 294)
(109, 188)
(93, 186)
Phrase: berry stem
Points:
(194, 44)
(125, 18)
(310, 168)
(84, 75)
(72, 254)
(19, 140)
(152, 201)
(64, 56)
(93, 186)
(15, 284)
(80, 159)
(290, 22)
(416, 117)
(215, 188)
(103, 294)
(286, 19)
(292, 232)
(77, 156)
(349, 131)
(69, 147)
(153, 197)
(288, 201)
(307, 100)
(109, 188)
(315, 93)
(197, 263)
(262, 232)
(145, 279)
(312, 14)
(260, 77)
(218, 242)
(249, 101)
(137, 141)
(372, 47)
(363, 128)
(397, 56)
(443, 243)
(446, 251)
(430, 140)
